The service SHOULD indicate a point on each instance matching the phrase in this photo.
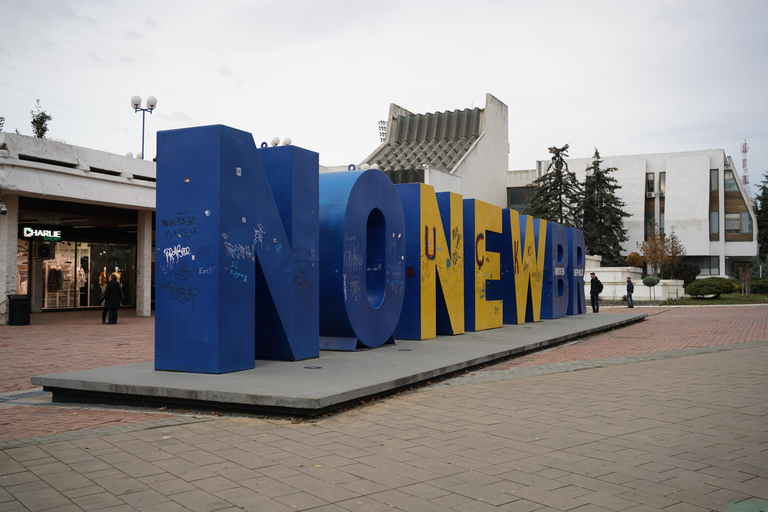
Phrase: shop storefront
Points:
(72, 267)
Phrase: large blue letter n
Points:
(237, 250)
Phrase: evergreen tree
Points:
(603, 215)
(761, 212)
(557, 195)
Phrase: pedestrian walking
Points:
(113, 296)
(630, 291)
(595, 288)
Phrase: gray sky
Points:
(627, 77)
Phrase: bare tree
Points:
(660, 249)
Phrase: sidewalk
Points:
(676, 422)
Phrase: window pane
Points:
(661, 223)
(746, 222)
(714, 265)
(713, 180)
(648, 223)
(649, 182)
(714, 223)
(732, 223)
(730, 182)
(662, 182)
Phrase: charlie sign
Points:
(260, 257)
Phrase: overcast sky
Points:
(627, 77)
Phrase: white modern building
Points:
(696, 193)
(72, 217)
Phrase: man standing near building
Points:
(630, 291)
(595, 287)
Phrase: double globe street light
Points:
(136, 104)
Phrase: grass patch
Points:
(724, 299)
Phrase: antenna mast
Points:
(744, 168)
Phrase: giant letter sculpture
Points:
(481, 266)
(258, 257)
(529, 282)
(554, 297)
(434, 289)
(362, 259)
(577, 304)
(221, 243)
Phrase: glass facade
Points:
(708, 265)
(74, 273)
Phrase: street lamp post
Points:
(136, 104)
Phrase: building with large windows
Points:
(696, 193)
(72, 216)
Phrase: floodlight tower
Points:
(744, 168)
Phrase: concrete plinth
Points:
(332, 381)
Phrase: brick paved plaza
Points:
(667, 414)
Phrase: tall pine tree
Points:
(557, 195)
(761, 212)
(604, 215)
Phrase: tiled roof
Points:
(438, 140)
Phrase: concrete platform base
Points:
(330, 382)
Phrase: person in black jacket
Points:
(630, 291)
(595, 287)
(113, 295)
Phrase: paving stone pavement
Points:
(677, 429)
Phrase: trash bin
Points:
(19, 308)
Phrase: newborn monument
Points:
(261, 257)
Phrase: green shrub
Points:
(710, 286)
(651, 280)
(758, 286)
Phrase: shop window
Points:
(106, 259)
(60, 278)
(22, 268)
(75, 272)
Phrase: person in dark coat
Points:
(104, 309)
(595, 287)
(113, 295)
(630, 291)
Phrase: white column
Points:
(9, 236)
(144, 264)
